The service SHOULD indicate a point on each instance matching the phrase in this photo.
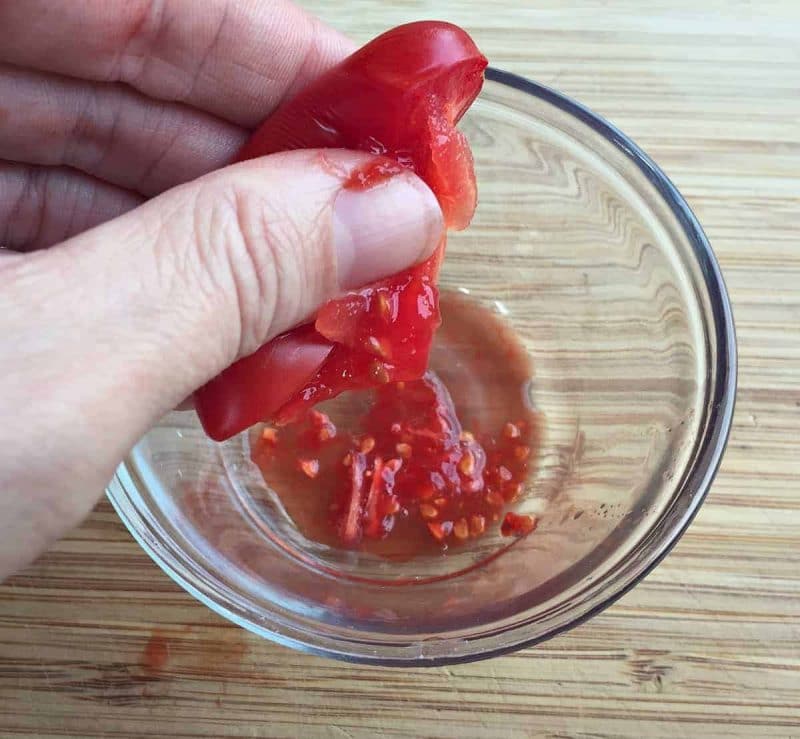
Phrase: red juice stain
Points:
(212, 652)
(417, 465)
(156, 652)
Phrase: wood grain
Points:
(95, 641)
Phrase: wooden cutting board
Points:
(95, 641)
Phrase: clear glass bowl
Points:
(586, 250)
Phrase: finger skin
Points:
(41, 206)
(233, 58)
(109, 131)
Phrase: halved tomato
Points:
(398, 97)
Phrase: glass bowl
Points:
(583, 247)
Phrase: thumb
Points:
(106, 332)
(165, 297)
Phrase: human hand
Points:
(132, 272)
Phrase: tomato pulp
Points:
(399, 97)
(410, 465)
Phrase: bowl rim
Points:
(696, 486)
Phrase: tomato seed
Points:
(522, 452)
(269, 434)
(374, 345)
(467, 436)
(495, 499)
(461, 529)
(427, 511)
(318, 418)
(379, 372)
(309, 466)
(511, 431)
(513, 492)
(440, 531)
(404, 450)
(367, 444)
(384, 309)
(477, 525)
(467, 463)
(327, 432)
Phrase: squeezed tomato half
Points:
(399, 98)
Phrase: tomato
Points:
(381, 334)
(237, 398)
(398, 97)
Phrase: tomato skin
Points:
(239, 397)
(399, 98)
(393, 97)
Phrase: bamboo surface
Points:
(95, 641)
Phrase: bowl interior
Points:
(576, 249)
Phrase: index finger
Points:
(234, 59)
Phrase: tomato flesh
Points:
(399, 97)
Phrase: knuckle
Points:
(22, 207)
(259, 249)
(147, 34)
(91, 135)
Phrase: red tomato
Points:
(235, 399)
(398, 97)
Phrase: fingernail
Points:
(385, 229)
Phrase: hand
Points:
(132, 272)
